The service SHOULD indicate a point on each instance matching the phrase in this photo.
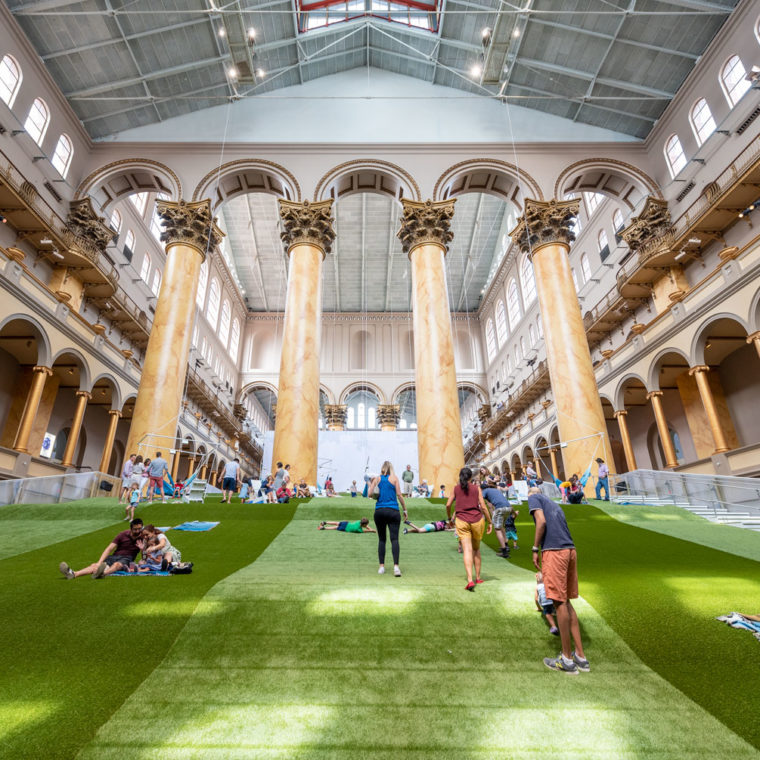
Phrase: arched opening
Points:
(104, 396)
(616, 452)
(367, 176)
(361, 409)
(262, 402)
(555, 444)
(632, 397)
(407, 402)
(543, 462)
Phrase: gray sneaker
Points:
(581, 664)
(557, 663)
(67, 571)
(100, 570)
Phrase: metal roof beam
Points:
(589, 77)
(603, 36)
(109, 86)
(702, 5)
(42, 5)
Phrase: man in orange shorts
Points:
(554, 555)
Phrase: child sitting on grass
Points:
(134, 500)
(545, 605)
(359, 526)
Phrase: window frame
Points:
(63, 169)
(12, 90)
(729, 90)
(674, 169)
(30, 122)
(502, 331)
(514, 307)
(528, 281)
(213, 319)
(490, 339)
(701, 105)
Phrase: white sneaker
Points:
(381, 571)
(397, 571)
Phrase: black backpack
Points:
(181, 568)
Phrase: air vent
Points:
(748, 121)
(52, 191)
(685, 191)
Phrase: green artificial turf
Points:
(661, 595)
(680, 523)
(309, 653)
(72, 651)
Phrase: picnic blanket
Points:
(196, 525)
(165, 573)
(737, 620)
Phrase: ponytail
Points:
(465, 476)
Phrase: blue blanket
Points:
(137, 575)
(196, 525)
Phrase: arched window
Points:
(733, 80)
(674, 155)
(490, 340)
(224, 324)
(139, 201)
(702, 121)
(532, 335)
(129, 242)
(528, 280)
(501, 323)
(64, 152)
(212, 310)
(592, 201)
(115, 221)
(10, 79)
(586, 264)
(235, 339)
(617, 220)
(156, 284)
(145, 268)
(575, 278)
(200, 295)
(513, 304)
(522, 346)
(36, 123)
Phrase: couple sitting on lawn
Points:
(157, 553)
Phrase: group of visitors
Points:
(158, 554)
(136, 475)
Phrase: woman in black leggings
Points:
(387, 514)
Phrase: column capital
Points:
(755, 336)
(90, 230)
(43, 370)
(190, 224)
(651, 229)
(654, 394)
(84, 394)
(336, 415)
(307, 222)
(114, 413)
(388, 415)
(620, 413)
(426, 222)
(484, 412)
(698, 369)
(545, 222)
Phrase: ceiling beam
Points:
(256, 257)
(158, 74)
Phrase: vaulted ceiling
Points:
(610, 63)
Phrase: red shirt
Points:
(126, 544)
(468, 504)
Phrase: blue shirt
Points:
(387, 496)
(495, 497)
(557, 534)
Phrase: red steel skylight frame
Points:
(337, 12)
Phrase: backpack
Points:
(181, 568)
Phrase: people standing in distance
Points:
(555, 556)
(231, 480)
(156, 470)
(387, 514)
(603, 480)
(126, 479)
(408, 477)
(471, 514)
(279, 477)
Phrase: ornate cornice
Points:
(545, 222)
(427, 222)
(650, 229)
(89, 230)
(189, 224)
(307, 222)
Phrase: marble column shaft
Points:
(76, 426)
(630, 457)
(671, 460)
(39, 376)
(553, 457)
(545, 233)
(700, 374)
(189, 231)
(105, 459)
(308, 236)
(425, 233)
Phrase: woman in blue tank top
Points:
(387, 514)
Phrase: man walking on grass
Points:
(125, 547)
(231, 480)
(554, 555)
(407, 476)
(158, 466)
(603, 480)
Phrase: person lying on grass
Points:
(431, 527)
(742, 620)
(120, 554)
(360, 526)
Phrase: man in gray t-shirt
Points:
(554, 555)
(407, 476)
(279, 477)
(158, 466)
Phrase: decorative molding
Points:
(106, 171)
(308, 223)
(428, 222)
(189, 224)
(88, 227)
(545, 222)
(368, 163)
(651, 185)
(226, 170)
(490, 163)
(651, 230)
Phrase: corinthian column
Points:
(308, 235)
(335, 416)
(544, 232)
(425, 234)
(189, 233)
(388, 416)
(700, 374)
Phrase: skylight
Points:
(420, 14)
